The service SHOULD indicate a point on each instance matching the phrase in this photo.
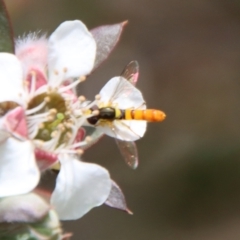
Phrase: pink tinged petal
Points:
(116, 199)
(32, 52)
(80, 135)
(80, 187)
(15, 123)
(120, 91)
(19, 173)
(36, 78)
(106, 38)
(11, 80)
(72, 51)
(45, 159)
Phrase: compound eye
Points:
(93, 120)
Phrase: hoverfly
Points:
(122, 113)
(128, 149)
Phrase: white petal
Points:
(72, 51)
(126, 130)
(121, 92)
(80, 187)
(11, 79)
(18, 171)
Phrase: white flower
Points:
(53, 111)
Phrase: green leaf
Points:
(6, 36)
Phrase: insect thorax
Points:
(108, 114)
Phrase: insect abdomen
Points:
(150, 115)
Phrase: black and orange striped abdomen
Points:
(150, 115)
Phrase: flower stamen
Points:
(70, 86)
(37, 108)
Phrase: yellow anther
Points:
(65, 70)
(68, 100)
(98, 97)
(41, 126)
(26, 83)
(88, 139)
(53, 111)
(47, 99)
(67, 113)
(50, 118)
(82, 78)
(68, 135)
(56, 72)
(79, 151)
(84, 110)
(61, 127)
(54, 134)
(82, 98)
(68, 125)
(95, 112)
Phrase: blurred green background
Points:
(187, 185)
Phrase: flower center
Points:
(53, 119)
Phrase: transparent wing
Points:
(129, 149)
(122, 89)
(129, 152)
(120, 92)
(121, 132)
(131, 72)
